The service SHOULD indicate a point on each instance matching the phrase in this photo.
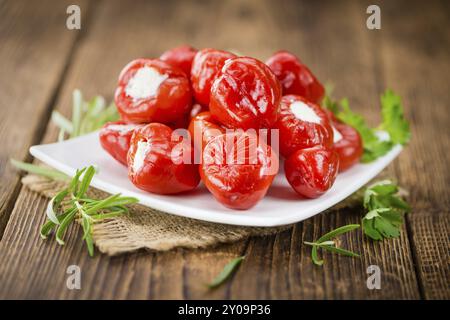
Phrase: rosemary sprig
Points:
(87, 116)
(40, 170)
(72, 204)
(325, 242)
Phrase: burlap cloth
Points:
(146, 228)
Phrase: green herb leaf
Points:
(109, 215)
(73, 186)
(55, 202)
(68, 219)
(61, 135)
(394, 124)
(87, 116)
(325, 242)
(39, 170)
(331, 105)
(77, 110)
(341, 251)
(94, 109)
(111, 201)
(374, 147)
(320, 244)
(226, 272)
(87, 178)
(315, 256)
(386, 211)
(62, 122)
(337, 232)
(87, 236)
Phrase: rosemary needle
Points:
(72, 203)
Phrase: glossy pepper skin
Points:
(238, 184)
(295, 77)
(184, 121)
(246, 94)
(205, 68)
(196, 109)
(311, 172)
(162, 168)
(115, 139)
(180, 57)
(295, 133)
(171, 101)
(181, 123)
(202, 128)
(349, 147)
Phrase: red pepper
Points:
(115, 139)
(205, 68)
(311, 172)
(295, 77)
(295, 133)
(237, 170)
(180, 57)
(159, 162)
(245, 95)
(152, 91)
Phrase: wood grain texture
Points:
(431, 244)
(416, 65)
(332, 39)
(32, 65)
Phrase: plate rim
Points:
(38, 151)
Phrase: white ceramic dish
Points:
(279, 207)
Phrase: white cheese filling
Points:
(122, 128)
(304, 112)
(145, 83)
(337, 136)
(139, 156)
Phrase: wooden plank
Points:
(32, 66)
(431, 242)
(98, 61)
(422, 79)
(316, 32)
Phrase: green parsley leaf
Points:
(386, 211)
(324, 242)
(394, 121)
(40, 170)
(330, 105)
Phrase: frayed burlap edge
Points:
(146, 228)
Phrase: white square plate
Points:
(280, 206)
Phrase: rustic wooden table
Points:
(42, 62)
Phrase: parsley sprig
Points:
(393, 122)
(325, 242)
(72, 203)
(386, 210)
